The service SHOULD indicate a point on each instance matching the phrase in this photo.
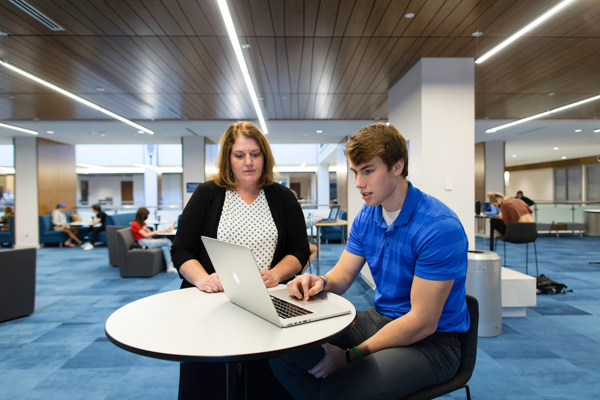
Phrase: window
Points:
(592, 179)
(567, 184)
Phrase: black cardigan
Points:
(202, 214)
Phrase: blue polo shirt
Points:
(426, 240)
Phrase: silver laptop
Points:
(244, 287)
(333, 215)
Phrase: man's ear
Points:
(399, 167)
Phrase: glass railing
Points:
(562, 211)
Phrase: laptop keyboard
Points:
(287, 310)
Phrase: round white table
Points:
(192, 326)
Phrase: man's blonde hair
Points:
(378, 140)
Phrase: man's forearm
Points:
(403, 331)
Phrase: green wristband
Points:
(357, 351)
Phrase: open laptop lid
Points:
(489, 209)
(333, 213)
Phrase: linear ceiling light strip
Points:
(74, 97)
(523, 31)
(240, 57)
(541, 115)
(16, 128)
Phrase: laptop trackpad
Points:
(318, 303)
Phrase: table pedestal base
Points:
(235, 381)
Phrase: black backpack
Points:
(546, 285)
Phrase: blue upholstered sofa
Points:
(49, 235)
(335, 232)
(8, 237)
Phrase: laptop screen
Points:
(334, 212)
(489, 209)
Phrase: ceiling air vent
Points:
(29, 9)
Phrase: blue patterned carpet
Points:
(60, 351)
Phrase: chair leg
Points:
(536, 264)
(468, 392)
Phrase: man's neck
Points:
(396, 200)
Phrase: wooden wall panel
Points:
(57, 178)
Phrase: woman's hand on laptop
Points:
(305, 285)
(210, 284)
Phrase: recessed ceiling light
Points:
(284, 97)
(409, 15)
(100, 89)
(319, 131)
(245, 45)
(514, 155)
(376, 119)
(102, 134)
(577, 130)
(524, 30)
(477, 34)
(556, 148)
(551, 94)
(11, 97)
(50, 132)
(564, 157)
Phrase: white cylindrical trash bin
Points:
(485, 284)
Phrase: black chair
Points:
(468, 348)
(17, 283)
(521, 232)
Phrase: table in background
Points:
(340, 222)
(156, 223)
(173, 326)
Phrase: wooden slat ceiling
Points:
(327, 59)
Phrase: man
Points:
(100, 219)
(527, 200)
(59, 222)
(8, 197)
(416, 249)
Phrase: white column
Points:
(433, 106)
(193, 164)
(494, 168)
(26, 193)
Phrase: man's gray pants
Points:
(387, 374)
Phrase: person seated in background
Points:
(59, 222)
(241, 204)
(511, 210)
(145, 237)
(527, 200)
(416, 249)
(8, 198)
(100, 219)
(8, 212)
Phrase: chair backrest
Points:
(120, 219)
(124, 242)
(521, 232)
(468, 339)
(111, 243)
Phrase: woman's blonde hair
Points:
(224, 178)
(494, 196)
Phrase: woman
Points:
(144, 236)
(241, 204)
(8, 212)
(511, 210)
